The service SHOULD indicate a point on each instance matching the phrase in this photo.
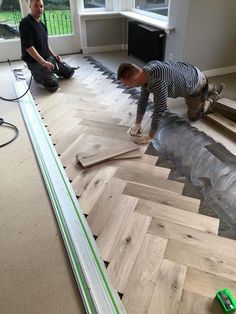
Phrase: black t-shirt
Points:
(33, 33)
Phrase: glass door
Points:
(59, 17)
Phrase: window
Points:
(10, 16)
(57, 17)
(94, 4)
(151, 7)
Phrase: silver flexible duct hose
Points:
(208, 165)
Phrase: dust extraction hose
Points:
(208, 165)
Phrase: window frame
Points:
(150, 14)
(108, 7)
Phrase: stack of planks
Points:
(162, 256)
(224, 116)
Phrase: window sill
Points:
(135, 16)
(99, 13)
(148, 20)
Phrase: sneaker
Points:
(218, 88)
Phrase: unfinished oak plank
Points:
(62, 130)
(69, 154)
(214, 263)
(226, 105)
(159, 195)
(69, 138)
(178, 216)
(99, 154)
(73, 170)
(140, 287)
(97, 117)
(95, 188)
(63, 121)
(127, 250)
(142, 173)
(196, 238)
(101, 210)
(115, 226)
(168, 288)
(83, 177)
(223, 123)
(108, 133)
(195, 303)
(61, 98)
(206, 284)
(104, 125)
(133, 154)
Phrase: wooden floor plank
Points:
(159, 195)
(84, 177)
(61, 131)
(113, 134)
(143, 173)
(97, 117)
(103, 151)
(95, 188)
(196, 238)
(69, 137)
(102, 208)
(140, 287)
(178, 216)
(225, 124)
(206, 284)
(168, 288)
(69, 155)
(115, 225)
(227, 105)
(127, 250)
(214, 263)
(195, 304)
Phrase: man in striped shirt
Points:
(167, 79)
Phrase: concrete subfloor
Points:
(35, 272)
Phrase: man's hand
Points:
(58, 58)
(48, 65)
(143, 139)
(135, 129)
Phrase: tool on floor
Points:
(226, 300)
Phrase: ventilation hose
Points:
(208, 165)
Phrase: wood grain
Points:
(168, 288)
(140, 287)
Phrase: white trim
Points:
(220, 71)
(95, 49)
(98, 14)
(148, 20)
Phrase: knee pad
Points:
(51, 83)
(65, 70)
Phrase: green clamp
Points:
(226, 300)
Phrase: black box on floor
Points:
(146, 42)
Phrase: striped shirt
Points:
(166, 79)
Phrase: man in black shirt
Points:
(43, 63)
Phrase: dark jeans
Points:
(49, 79)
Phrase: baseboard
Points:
(102, 48)
(220, 71)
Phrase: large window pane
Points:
(153, 6)
(57, 17)
(10, 17)
(94, 4)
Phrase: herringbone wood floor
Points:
(162, 256)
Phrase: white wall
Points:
(211, 33)
(205, 33)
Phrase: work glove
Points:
(143, 139)
(135, 129)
